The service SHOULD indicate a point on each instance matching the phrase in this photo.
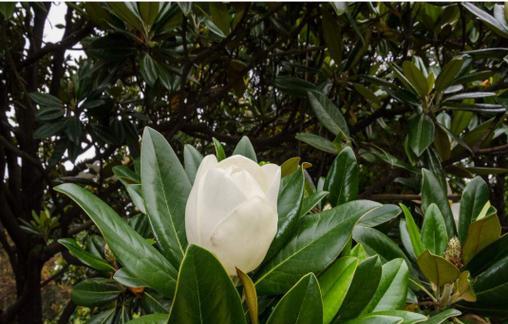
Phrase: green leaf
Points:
(157, 318)
(148, 12)
(379, 216)
(136, 194)
(46, 100)
(312, 201)
(362, 288)
(474, 197)
(84, 256)
(220, 16)
(421, 134)
(407, 317)
(7, 9)
(332, 35)
(480, 234)
(204, 292)
(49, 129)
(318, 142)
(489, 255)
(328, 114)
(124, 278)
(443, 316)
(392, 289)
(96, 291)
(128, 14)
(491, 288)
(335, 283)
(488, 19)
(449, 73)
(165, 190)
(250, 295)
(413, 231)
(342, 178)
(433, 192)
(289, 166)
(245, 148)
(300, 305)
(437, 269)
(133, 251)
(469, 95)
(376, 242)
(434, 236)
(191, 160)
(294, 86)
(288, 208)
(148, 70)
(415, 78)
(375, 319)
(318, 241)
(219, 149)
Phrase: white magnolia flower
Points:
(232, 210)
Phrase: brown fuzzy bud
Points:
(453, 252)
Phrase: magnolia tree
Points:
(234, 240)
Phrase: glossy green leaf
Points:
(136, 194)
(289, 166)
(335, 283)
(491, 288)
(46, 100)
(376, 242)
(148, 12)
(379, 216)
(7, 9)
(415, 78)
(312, 201)
(318, 241)
(49, 129)
(362, 288)
(201, 280)
(294, 86)
(474, 197)
(300, 305)
(449, 73)
(421, 134)
(133, 251)
(434, 236)
(488, 19)
(433, 192)
(407, 317)
(328, 114)
(165, 190)
(124, 278)
(84, 256)
(288, 208)
(489, 255)
(149, 70)
(480, 234)
(437, 269)
(318, 142)
(219, 149)
(375, 319)
(245, 148)
(191, 160)
(413, 231)
(96, 291)
(128, 14)
(443, 316)
(342, 178)
(392, 289)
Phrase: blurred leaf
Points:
(443, 316)
(7, 9)
(294, 86)
(491, 21)
(156, 318)
(421, 134)
(191, 160)
(148, 70)
(449, 73)
(318, 142)
(416, 78)
(49, 129)
(219, 149)
(84, 256)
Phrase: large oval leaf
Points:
(434, 236)
(288, 208)
(480, 234)
(335, 283)
(376, 242)
(133, 251)
(166, 188)
(437, 269)
(328, 114)
(474, 197)
(204, 292)
(318, 241)
(96, 291)
(191, 160)
(433, 192)
(300, 305)
(392, 289)
(245, 148)
(421, 134)
(342, 178)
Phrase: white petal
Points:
(247, 184)
(238, 162)
(272, 174)
(455, 207)
(208, 162)
(218, 196)
(242, 239)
